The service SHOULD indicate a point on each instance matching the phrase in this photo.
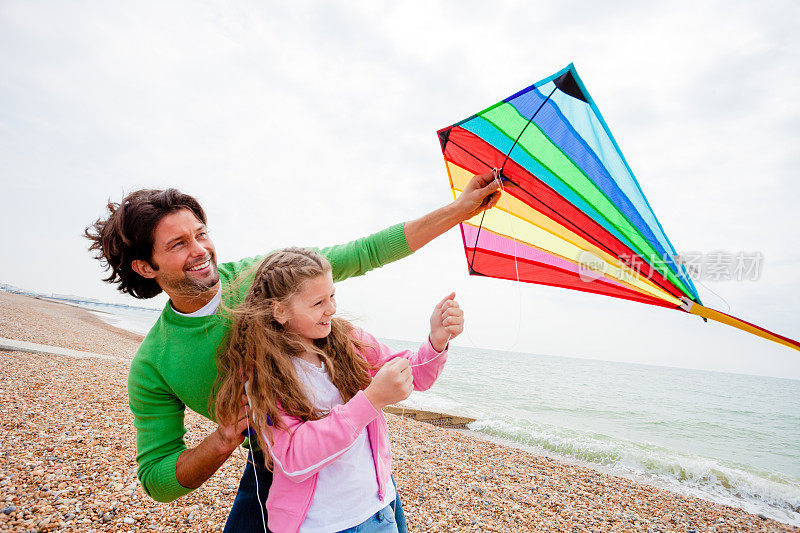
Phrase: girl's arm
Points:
(447, 322)
(429, 362)
(304, 448)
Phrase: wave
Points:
(757, 491)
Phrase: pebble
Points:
(69, 419)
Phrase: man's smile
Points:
(202, 266)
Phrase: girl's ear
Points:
(280, 312)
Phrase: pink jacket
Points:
(305, 448)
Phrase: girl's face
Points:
(309, 311)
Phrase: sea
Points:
(131, 318)
(729, 438)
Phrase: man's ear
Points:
(280, 313)
(143, 268)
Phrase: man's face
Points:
(184, 262)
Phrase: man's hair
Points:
(127, 234)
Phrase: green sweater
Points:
(176, 365)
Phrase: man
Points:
(157, 241)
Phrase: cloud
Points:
(314, 123)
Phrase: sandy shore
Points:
(67, 451)
(66, 326)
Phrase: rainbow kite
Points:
(572, 214)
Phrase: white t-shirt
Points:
(347, 489)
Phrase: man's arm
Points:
(362, 255)
(481, 193)
(195, 465)
(158, 419)
(167, 469)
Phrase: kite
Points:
(572, 214)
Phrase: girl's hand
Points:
(447, 322)
(393, 383)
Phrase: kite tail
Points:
(705, 312)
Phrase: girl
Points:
(316, 387)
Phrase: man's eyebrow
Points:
(171, 241)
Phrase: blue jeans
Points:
(381, 522)
(245, 515)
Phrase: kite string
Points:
(403, 413)
(255, 474)
(519, 286)
(498, 173)
(727, 304)
(510, 232)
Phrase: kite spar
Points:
(572, 214)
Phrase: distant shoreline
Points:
(71, 304)
(74, 300)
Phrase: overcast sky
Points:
(312, 123)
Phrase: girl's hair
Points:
(260, 349)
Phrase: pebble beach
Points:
(67, 457)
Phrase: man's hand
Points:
(393, 383)
(196, 465)
(447, 322)
(481, 193)
(231, 433)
